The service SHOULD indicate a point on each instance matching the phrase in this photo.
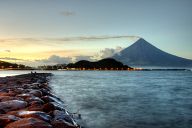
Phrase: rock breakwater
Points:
(26, 101)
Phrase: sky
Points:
(35, 32)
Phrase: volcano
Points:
(142, 53)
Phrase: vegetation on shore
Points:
(13, 66)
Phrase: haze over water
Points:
(156, 99)
(122, 99)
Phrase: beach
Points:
(27, 101)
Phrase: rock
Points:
(12, 105)
(31, 86)
(48, 107)
(63, 115)
(52, 99)
(62, 124)
(19, 90)
(29, 123)
(6, 119)
(36, 93)
(35, 106)
(7, 94)
(34, 98)
(45, 91)
(25, 95)
(2, 111)
(6, 98)
(35, 114)
(57, 106)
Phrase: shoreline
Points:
(134, 69)
(27, 101)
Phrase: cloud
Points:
(92, 38)
(54, 59)
(78, 58)
(10, 58)
(68, 13)
(47, 40)
(107, 52)
(6, 50)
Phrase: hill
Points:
(104, 64)
(7, 65)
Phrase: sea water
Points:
(126, 99)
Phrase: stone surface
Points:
(6, 98)
(48, 107)
(6, 119)
(63, 115)
(36, 93)
(35, 114)
(29, 123)
(34, 98)
(62, 124)
(12, 105)
(25, 95)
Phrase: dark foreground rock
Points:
(26, 101)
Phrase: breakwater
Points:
(26, 101)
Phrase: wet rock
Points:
(12, 105)
(6, 98)
(43, 85)
(31, 86)
(57, 106)
(6, 119)
(24, 95)
(29, 123)
(12, 113)
(34, 98)
(48, 107)
(36, 93)
(7, 94)
(52, 99)
(2, 111)
(62, 124)
(63, 115)
(35, 114)
(35, 106)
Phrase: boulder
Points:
(6, 119)
(52, 99)
(62, 124)
(6, 98)
(12, 105)
(7, 94)
(29, 123)
(34, 98)
(36, 93)
(48, 107)
(35, 106)
(35, 114)
(25, 95)
(63, 115)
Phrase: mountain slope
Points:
(142, 53)
(106, 63)
(7, 65)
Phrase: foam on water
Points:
(128, 99)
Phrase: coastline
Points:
(27, 101)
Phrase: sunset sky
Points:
(35, 32)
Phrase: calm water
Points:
(121, 99)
